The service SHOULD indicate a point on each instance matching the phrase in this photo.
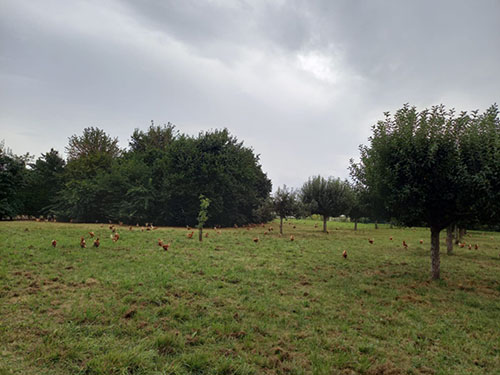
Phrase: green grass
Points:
(232, 306)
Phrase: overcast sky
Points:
(301, 82)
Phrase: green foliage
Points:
(285, 202)
(12, 179)
(203, 214)
(332, 197)
(160, 178)
(216, 165)
(43, 181)
(432, 167)
(92, 142)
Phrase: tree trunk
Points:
(200, 234)
(435, 253)
(449, 240)
(324, 223)
(355, 224)
(376, 224)
(281, 225)
(457, 240)
(461, 233)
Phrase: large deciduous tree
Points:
(327, 197)
(43, 181)
(417, 165)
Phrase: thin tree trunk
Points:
(376, 224)
(200, 234)
(461, 233)
(281, 225)
(355, 224)
(435, 262)
(324, 223)
(457, 239)
(449, 240)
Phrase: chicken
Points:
(421, 242)
(370, 241)
(83, 245)
(344, 254)
(405, 245)
(206, 234)
(390, 238)
(54, 243)
(327, 232)
(256, 239)
(462, 245)
(294, 227)
(190, 235)
(91, 234)
(130, 228)
(470, 247)
(476, 247)
(166, 246)
(116, 237)
(97, 242)
(160, 242)
(292, 238)
(315, 225)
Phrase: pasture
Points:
(230, 305)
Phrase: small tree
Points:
(202, 215)
(359, 207)
(332, 197)
(285, 204)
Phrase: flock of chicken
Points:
(115, 237)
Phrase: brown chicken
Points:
(292, 238)
(256, 239)
(370, 241)
(116, 237)
(421, 242)
(82, 243)
(54, 243)
(91, 234)
(405, 245)
(165, 246)
(190, 235)
(97, 242)
(476, 246)
(160, 242)
(344, 254)
(462, 245)
(390, 238)
(206, 234)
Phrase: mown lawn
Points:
(232, 306)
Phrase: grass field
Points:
(232, 306)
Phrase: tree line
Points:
(157, 179)
(433, 168)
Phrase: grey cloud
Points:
(300, 81)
